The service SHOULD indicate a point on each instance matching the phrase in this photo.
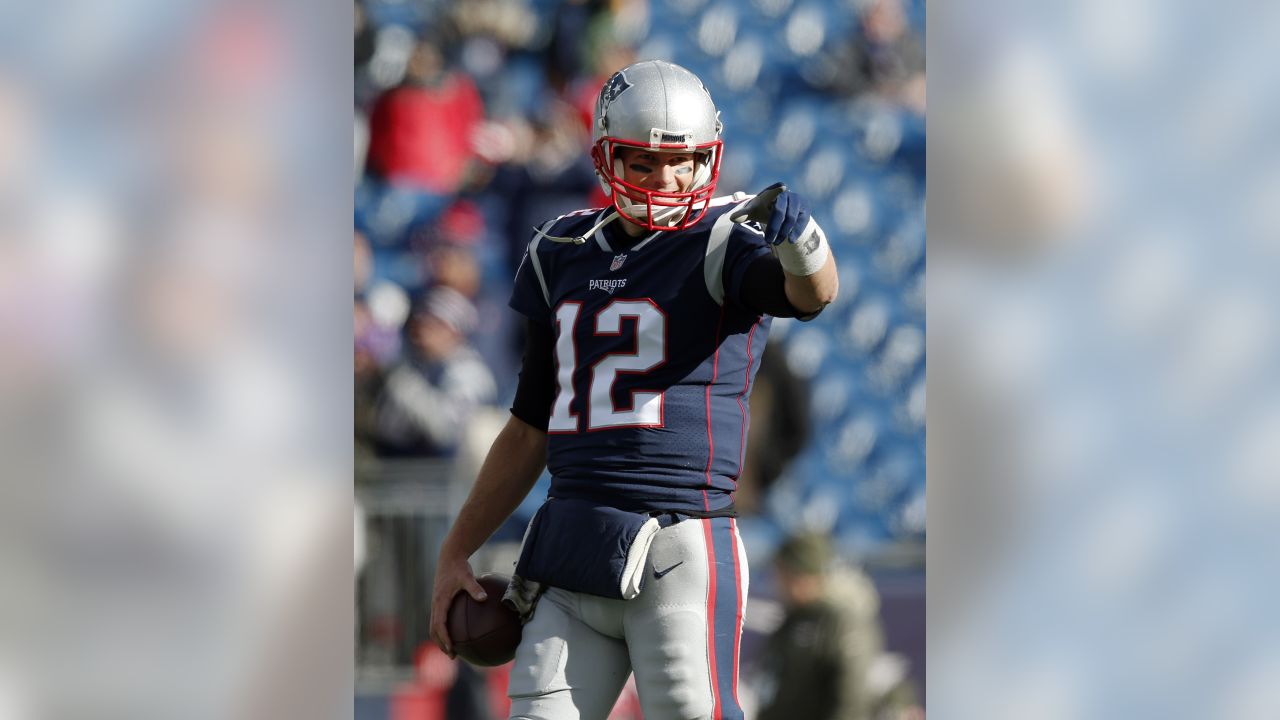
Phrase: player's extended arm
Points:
(811, 293)
(808, 266)
(512, 466)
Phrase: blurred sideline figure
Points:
(826, 662)
(882, 58)
(780, 427)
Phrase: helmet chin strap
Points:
(659, 216)
(579, 239)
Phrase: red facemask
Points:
(658, 205)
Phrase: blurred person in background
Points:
(368, 376)
(458, 251)
(542, 169)
(779, 429)
(591, 42)
(365, 45)
(424, 405)
(819, 663)
(447, 247)
(421, 132)
(646, 320)
(380, 309)
(884, 57)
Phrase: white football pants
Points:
(680, 636)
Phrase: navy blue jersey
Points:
(655, 357)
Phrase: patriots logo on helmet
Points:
(615, 87)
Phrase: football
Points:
(487, 633)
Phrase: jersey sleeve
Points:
(742, 249)
(741, 269)
(537, 388)
(764, 290)
(529, 295)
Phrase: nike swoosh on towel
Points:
(657, 574)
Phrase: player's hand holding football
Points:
(452, 576)
(783, 214)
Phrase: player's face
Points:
(660, 170)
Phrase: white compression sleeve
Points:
(807, 255)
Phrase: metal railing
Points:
(406, 507)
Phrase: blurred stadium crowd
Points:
(472, 126)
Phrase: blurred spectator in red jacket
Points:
(420, 132)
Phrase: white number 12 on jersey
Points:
(650, 352)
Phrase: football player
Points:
(646, 323)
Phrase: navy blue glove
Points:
(783, 214)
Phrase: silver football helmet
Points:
(661, 106)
